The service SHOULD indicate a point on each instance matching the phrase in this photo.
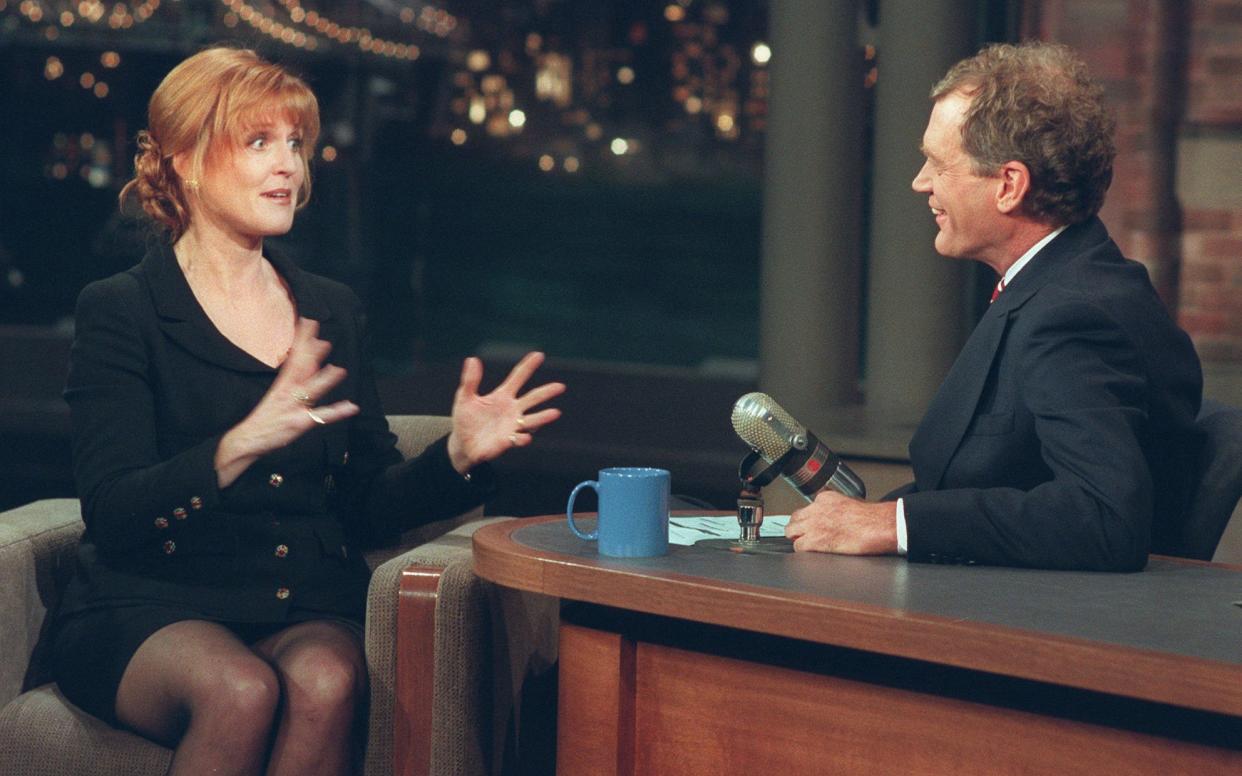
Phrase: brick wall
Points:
(1119, 39)
(1211, 184)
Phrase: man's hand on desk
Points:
(837, 523)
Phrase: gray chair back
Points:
(1220, 486)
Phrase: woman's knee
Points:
(244, 689)
(324, 677)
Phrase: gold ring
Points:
(521, 423)
(315, 417)
(301, 397)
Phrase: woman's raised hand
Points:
(289, 408)
(485, 426)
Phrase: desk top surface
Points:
(1171, 633)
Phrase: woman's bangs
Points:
(291, 101)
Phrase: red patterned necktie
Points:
(1000, 286)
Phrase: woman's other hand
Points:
(485, 426)
(288, 409)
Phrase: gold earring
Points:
(192, 184)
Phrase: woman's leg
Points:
(323, 678)
(197, 682)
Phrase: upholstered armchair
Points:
(447, 652)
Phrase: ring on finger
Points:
(513, 440)
(315, 417)
(301, 397)
(521, 423)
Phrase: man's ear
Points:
(1014, 183)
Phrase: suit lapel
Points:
(951, 410)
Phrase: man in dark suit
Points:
(1063, 435)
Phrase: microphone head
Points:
(766, 426)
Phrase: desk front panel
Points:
(655, 697)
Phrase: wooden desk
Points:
(710, 662)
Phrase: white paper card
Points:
(688, 530)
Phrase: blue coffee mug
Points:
(633, 511)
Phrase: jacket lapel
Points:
(953, 406)
(310, 302)
(183, 320)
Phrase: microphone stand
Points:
(749, 515)
(754, 474)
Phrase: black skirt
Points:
(91, 649)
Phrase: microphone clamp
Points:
(754, 474)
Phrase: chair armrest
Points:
(422, 535)
(453, 654)
(451, 658)
(37, 543)
(415, 433)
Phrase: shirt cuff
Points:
(901, 526)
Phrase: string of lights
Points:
(242, 11)
(304, 29)
(430, 20)
(560, 98)
(93, 12)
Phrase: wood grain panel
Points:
(414, 693)
(703, 714)
(595, 710)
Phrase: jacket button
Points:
(161, 523)
(276, 479)
(282, 550)
(170, 547)
(196, 502)
(180, 513)
(345, 458)
(282, 593)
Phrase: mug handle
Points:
(569, 510)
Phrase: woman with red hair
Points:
(230, 450)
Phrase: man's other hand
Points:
(840, 524)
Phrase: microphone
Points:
(805, 462)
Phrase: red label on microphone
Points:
(807, 471)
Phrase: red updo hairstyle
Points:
(204, 107)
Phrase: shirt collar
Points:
(1025, 259)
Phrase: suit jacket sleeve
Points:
(1082, 381)
(123, 483)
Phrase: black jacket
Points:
(1063, 436)
(153, 386)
